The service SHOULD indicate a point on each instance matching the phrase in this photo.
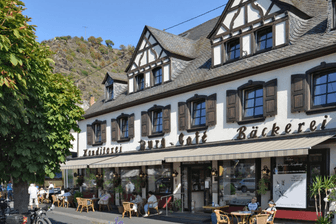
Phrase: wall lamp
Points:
(266, 171)
(175, 173)
(98, 175)
(142, 174)
(115, 175)
(214, 172)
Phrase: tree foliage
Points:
(109, 43)
(37, 108)
(94, 40)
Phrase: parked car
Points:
(247, 184)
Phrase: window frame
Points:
(244, 93)
(227, 52)
(95, 134)
(192, 110)
(258, 36)
(118, 127)
(123, 127)
(137, 82)
(154, 73)
(312, 87)
(108, 87)
(155, 120)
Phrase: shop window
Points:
(237, 182)
(96, 133)
(157, 76)
(159, 179)
(122, 128)
(90, 185)
(233, 49)
(264, 39)
(130, 181)
(108, 177)
(198, 112)
(315, 91)
(251, 102)
(156, 121)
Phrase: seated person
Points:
(42, 193)
(66, 195)
(104, 198)
(252, 206)
(270, 210)
(137, 200)
(152, 203)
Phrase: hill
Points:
(87, 61)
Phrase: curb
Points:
(81, 217)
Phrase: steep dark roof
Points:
(312, 39)
(173, 43)
(201, 30)
(116, 77)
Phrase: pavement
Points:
(113, 217)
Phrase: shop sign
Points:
(276, 129)
(102, 151)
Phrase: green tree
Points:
(92, 39)
(109, 43)
(99, 40)
(37, 108)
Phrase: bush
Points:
(92, 40)
(103, 50)
(69, 58)
(82, 48)
(122, 47)
(109, 43)
(85, 72)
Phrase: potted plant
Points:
(77, 194)
(177, 205)
(80, 181)
(263, 186)
(119, 192)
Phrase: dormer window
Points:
(264, 39)
(157, 76)
(109, 89)
(233, 49)
(140, 82)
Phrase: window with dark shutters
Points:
(182, 116)
(144, 123)
(231, 106)
(103, 131)
(114, 130)
(89, 134)
(270, 98)
(166, 119)
(131, 126)
(211, 110)
(298, 92)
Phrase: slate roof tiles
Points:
(308, 36)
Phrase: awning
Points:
(249, 150)
(81, 163)
(141, 159)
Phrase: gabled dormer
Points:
(114, 85)
(158, 58)
(249, 27)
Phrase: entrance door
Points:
(196, 186)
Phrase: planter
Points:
(120, 209)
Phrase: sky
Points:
(121, 21)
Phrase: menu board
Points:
(289, 190)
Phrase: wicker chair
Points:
(55, 199)
(104, 201)
(68, 200)
(272, 221)
(128, 207)
(259, 219)
(222, 217)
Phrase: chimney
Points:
(92, 100)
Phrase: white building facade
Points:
(206, 115)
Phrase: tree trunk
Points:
(316, 206)
(320, 204)
(21, 197)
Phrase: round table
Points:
(244, 216)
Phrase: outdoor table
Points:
(94, 201)
(244, 216)
(214, 207)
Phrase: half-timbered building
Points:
(242, 105)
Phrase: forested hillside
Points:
(87, 61)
